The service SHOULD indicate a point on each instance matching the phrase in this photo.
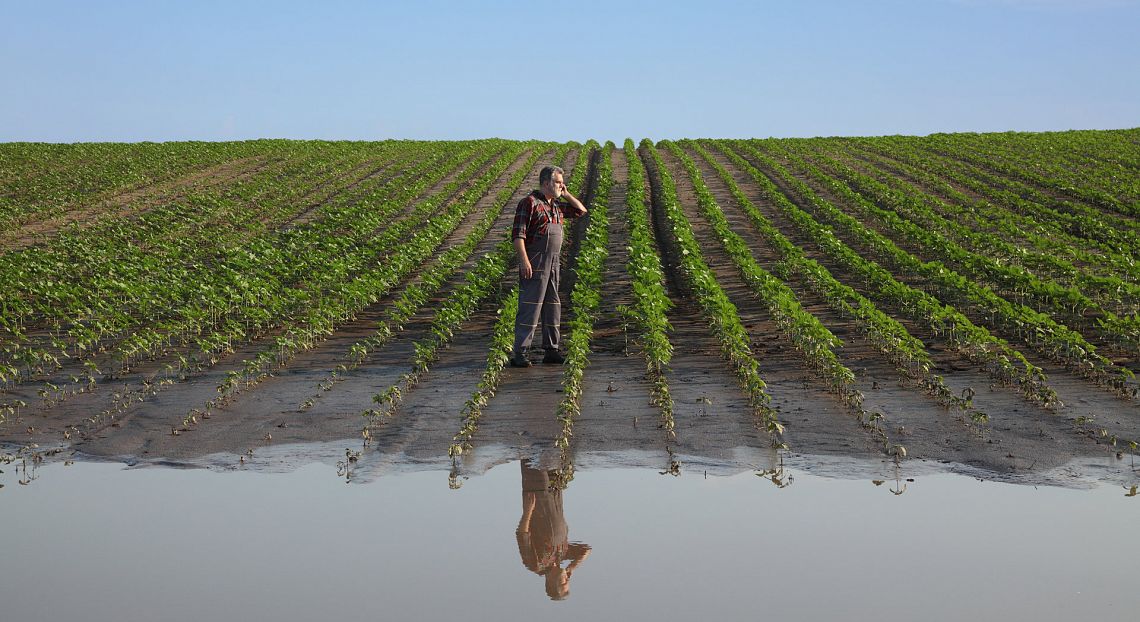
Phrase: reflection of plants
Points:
(779, 477)
(345, 468)
(674, 467)
(898, 452)
(561, 477)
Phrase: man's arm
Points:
(525, 269)
(518, 237)
(580, 210)
(578, 553)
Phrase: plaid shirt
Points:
(534, 213)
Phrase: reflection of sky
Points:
(94, 542)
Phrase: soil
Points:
(303, 413)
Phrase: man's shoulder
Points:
(531, 199)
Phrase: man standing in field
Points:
(537, 235)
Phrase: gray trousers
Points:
(538, 295)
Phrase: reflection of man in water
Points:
(543, 534)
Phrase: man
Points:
(537, 235)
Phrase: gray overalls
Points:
(538, 295)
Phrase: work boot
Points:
(520, 360)
(553, 358)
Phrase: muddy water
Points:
(97, 541)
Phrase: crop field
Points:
(957, 299)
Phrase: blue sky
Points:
(160, 70)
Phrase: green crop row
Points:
(814, 342)
(51, 283)
(651, 303)
(1040, 172)
(976, 343)
(374, 268)
(905, 351)
(1084, 222)
(1066, 257)
(502, 340)
(502, 336)
(47, 180)
(586, 296)
(104, 283)
(912, 223)
(1035, 329)
(933, 214)
(714, 303)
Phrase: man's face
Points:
(556, 186)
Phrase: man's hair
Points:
(547, 172)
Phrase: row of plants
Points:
(1084, 222)
(1000, 360)
(710, 297)
(1026, 205)
(46, 180)
(502, 335)
(651, 303)
(586, 296)
(430, 282)
(1041, 172)
(901, 348)
(92, 287)
(1055, 248)
(367, 271)
(1035, 329)
(815, 344)
(911, 223)
(203, 347)
(256, 287)
(46, 286)
(928, 211)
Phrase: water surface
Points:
(97, 541)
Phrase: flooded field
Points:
(828, 379)
(282, 537)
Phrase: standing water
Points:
(96, 541)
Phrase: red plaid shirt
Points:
(534, 213)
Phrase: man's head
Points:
(557, 583)
(551, 181)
